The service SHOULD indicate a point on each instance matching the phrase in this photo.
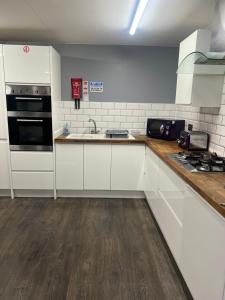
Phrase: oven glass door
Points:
(30, 133)
(28, 103)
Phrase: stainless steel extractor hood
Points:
(199, 63)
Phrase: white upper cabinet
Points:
(127, 167)
(27, 64)
(193, 89)
(97, 166)
(203, 249)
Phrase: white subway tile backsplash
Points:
(114, 112)
(133, 116)
(95, 105)
(108, 105)
(108, 118)
(132, 105)
(120, 105)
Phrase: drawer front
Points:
(172, 189)
(168, 223)
(32, 161)
(33, 180)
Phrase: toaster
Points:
(194, 140)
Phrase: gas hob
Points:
(200, 161)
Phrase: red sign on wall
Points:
(26, 49)
(76, 84)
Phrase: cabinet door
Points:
(151, 176)
(4, 165)
(27, 63)
(69, 167)
(97, 166)
(127, 167)
(203, 250)
(3, 118)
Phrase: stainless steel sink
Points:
(93, 136)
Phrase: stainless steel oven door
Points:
(28, 98)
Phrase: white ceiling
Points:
(164, 23)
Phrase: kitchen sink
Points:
(93, 136)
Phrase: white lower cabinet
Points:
(194, 231)
(127, 167)
(33, 180)
(32, 161)
(4, 166)
(203, 249)
(69, 167)
(97, 166)
(164, 192)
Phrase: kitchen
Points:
(112, 151)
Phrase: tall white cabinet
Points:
(4, 147)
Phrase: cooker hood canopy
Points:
(199, 63)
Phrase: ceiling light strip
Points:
(139, 12)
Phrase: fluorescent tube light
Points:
(139, 12)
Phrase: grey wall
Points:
(130, 74)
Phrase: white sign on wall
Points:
(96, 86)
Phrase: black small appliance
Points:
(165, 129)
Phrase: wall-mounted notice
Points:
(85, 90)
(96, 86)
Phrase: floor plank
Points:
(75, 249)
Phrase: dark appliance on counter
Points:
(29, 117)
(165, 129)
(194, 140)
(198, 161)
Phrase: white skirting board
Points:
(34, 193)
(100, 194)
(79, 194)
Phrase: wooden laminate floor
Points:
(92, 249)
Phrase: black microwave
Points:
(165, 129)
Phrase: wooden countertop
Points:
(211, 186)
(63, 140)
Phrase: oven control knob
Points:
(167, 132)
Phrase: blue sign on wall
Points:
(96, 86)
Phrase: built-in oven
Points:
(28, 98)
(29, 117)
(30, 132)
